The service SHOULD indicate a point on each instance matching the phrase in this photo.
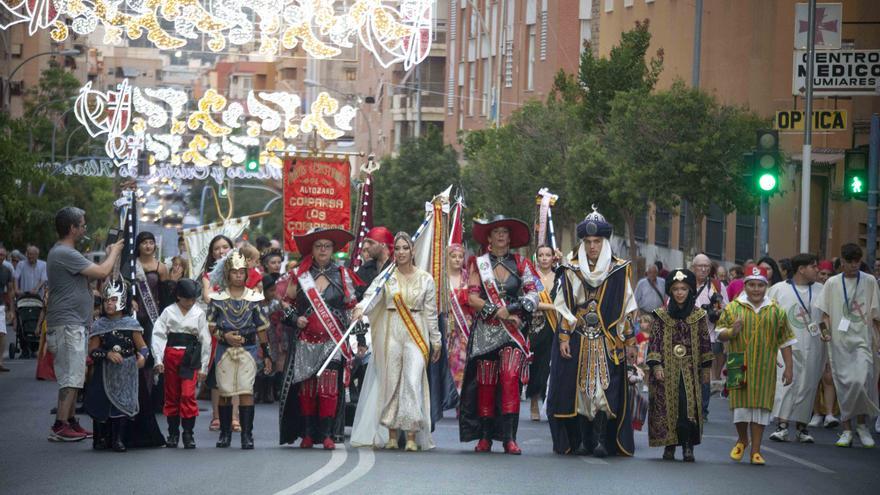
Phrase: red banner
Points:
(316, 194)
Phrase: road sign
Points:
(829, 22)
(823, 120)
(838, 72)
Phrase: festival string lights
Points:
(133, 119)
(394, 31)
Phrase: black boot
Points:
(600, 422)
(100, 435)
(259, 389)
(117, 426)
(173, 432)
(669, 453)
(225, 426)
(188, 440)
(687, 446)
(246, 417)
(581, 427)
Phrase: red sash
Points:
(484, 265)
(331, 326)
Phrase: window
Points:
(627, 3)
(683, 227)
(715, 232)
(745, 237)
(586, 33)
(288, 73)
(350, 74)
(530, 72)
(609, 5)
(472, 86)
(662, 221)
(487, 78)
(641, 228)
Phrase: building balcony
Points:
(403, 108)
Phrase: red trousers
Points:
(318, 396)
(180, 391)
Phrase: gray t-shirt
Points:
(70, 301)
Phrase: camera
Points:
(112, 236)
(713, 308)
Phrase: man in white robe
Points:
(794, 403)
(851, 307)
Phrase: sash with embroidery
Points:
(146, 295)
(458, 313)
(484, 265)
(331, 326)
(410, 324)
(550, 315)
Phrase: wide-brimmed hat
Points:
(338, 237)
(520, 233)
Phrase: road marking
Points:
(594, 460)
(793, 458)
(337, 459)
(366, 461)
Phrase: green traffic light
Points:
(767, 182)
(252, 165)
(857, 186)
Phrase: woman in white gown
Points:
(404, 334)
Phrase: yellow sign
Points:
(823, 120)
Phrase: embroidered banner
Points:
(316, 194)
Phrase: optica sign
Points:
(823, 120)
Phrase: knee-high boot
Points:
(117, 426)
(246, 417)
(100, 435)
(225, 426)
(600, 422)
(173, 432)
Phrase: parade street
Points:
(32, 465)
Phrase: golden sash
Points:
(550, 315)
(410, 324)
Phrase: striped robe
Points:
(764, 331)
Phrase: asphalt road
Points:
(29, 464)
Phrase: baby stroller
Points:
(27, 333)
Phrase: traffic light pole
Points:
(806, 160)
(764, 230)
(873, 156)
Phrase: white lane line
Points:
(337, 459)
(594, 460)
(792, 458)
(366, 460)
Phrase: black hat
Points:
(187, 288)
(681, 275)
(520, 234)
(594, 224)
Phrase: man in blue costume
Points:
(587, 400)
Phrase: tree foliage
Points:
(423, 168)
(605, 137)
(32, 195)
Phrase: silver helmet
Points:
(117, 288)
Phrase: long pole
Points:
(764, 233)
(698, 41)
(873, 157)
(807, 166)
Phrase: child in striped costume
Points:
(756, 326)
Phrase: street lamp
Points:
(369, 100)
(70, 52)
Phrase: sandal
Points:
(215, 424)
(236, 426)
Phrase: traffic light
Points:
(855, 174)
(252, 162)
(767, 162)
(224, 190)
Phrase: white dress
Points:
(853, 353)
(395, 394)
(808, 354)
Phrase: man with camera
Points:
(712, 297)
